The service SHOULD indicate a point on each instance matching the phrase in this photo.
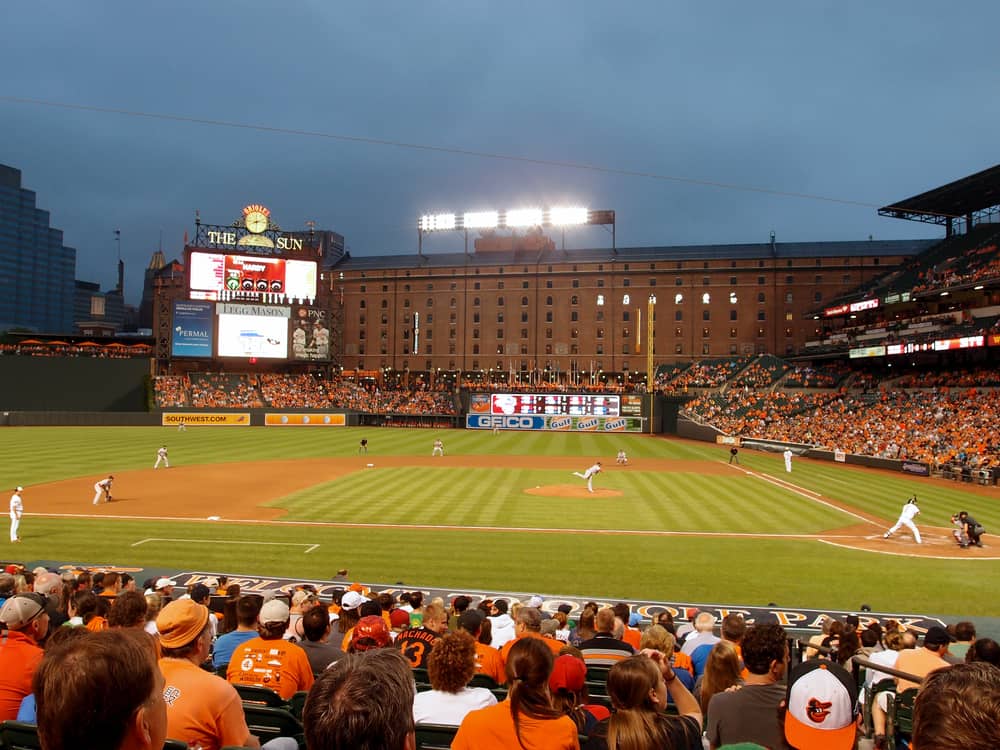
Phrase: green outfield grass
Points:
(693, 568)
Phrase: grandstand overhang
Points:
(969, 201)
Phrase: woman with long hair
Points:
(638, 688)
(722, 671)
(527, 718)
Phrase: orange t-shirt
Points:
(277, 664)
(554, 645)
(489, 662)
(632, 637)
(492, 728)
(203, 710)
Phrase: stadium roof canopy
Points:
(963, 200)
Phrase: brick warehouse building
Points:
(575, 312)
(531, 312)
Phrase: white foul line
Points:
(807, 494)
(226, 541)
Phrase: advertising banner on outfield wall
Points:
(555, 424)
(792, 618)
(215, 419)
(304, 420)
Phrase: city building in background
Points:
(37, 271)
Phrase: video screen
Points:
(253, 336)
(245, 278)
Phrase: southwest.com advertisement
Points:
(193, 329)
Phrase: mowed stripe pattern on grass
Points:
(676, 501)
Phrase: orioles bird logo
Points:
(818, 710)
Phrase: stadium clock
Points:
(256, 221)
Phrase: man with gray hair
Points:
(529, 625)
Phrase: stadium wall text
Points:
(552, 424)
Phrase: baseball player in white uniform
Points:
(906, 517)
(589, 475)
(16, 510)
(103, 488)
(622, 458)
(788, 460)
(438, 448)
(161, 455)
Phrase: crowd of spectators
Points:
(829, 375)
(761, 373)
(306, 391)
(369, 669)
(57, 349)
(940, 426)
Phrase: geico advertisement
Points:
(552, 423)
(206, 418)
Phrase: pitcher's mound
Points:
(570, 490)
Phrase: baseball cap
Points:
(821, 702)
(352, 600)
(634, 619)
(471, 620)
(568, 673)
(12, 569)
(937, 636)
(18, 611)
(535, 601)
(399, 618)
(273, 611)
(20, 488)
(39, 570)
(298, 597)
(180, 622)
(164, 582)
(565, 608)
(356, 587)
(370, 632)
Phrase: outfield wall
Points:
(73, 384)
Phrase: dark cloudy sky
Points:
(854, 100)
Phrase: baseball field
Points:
(501, 512)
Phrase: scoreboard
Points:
(556, 404)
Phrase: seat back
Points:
(260, 696)
(902, 709)
(19, 735)
(268, 722)
(435, 736)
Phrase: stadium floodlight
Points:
(524, 217)
(481, 220)
(566, 215)
(436, 222)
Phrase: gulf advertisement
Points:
(207, 418)
(552, 423)
(193, 329)
(272, 419)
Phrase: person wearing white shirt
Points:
(906, 516)
(16, 511)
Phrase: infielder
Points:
(438, 448)
(103, 488)
(788, 460)
(589, 475)
(161, 455)
(16, 510)
(906, 517)
(622, 458)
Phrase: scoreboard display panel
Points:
(267, 279)
(556, 404)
